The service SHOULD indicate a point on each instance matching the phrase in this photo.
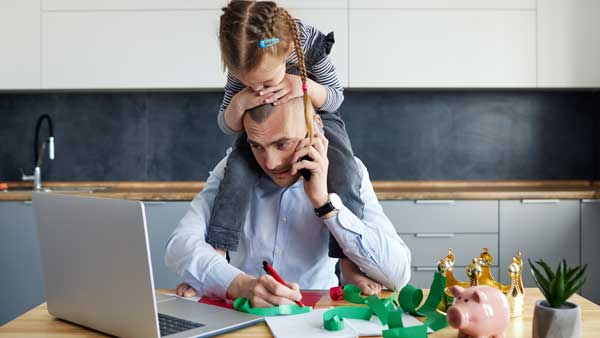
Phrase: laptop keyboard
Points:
(171, 325)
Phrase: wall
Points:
(399, 134)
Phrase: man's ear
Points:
(317, 120)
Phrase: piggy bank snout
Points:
(457, 317)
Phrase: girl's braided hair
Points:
(244, 24)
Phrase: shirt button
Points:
(283, 220)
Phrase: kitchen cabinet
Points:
(590, 248)
(443, 4)
(20, 41)
(440, 216)
(430, 227)
(67, 5)
(162, 218)
(540, 229)
(442, 48)
(568, 43)
(330, 20)
(133, 44)
(422, 277)
(131, 49)
(21, 274)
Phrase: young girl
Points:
(263, 48)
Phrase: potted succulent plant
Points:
(555, 317)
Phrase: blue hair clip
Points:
(268, 42)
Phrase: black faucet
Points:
(38, 152)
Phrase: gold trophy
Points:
(478, 272)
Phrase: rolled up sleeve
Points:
(372, 243)
(187, 253)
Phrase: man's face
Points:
(273, 142)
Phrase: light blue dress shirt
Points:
(281, 227)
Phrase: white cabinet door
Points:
(90, 5)
(61, 5)
(131, 49)
(568, 43)
(330, 20)
(20, 44)
(444, 4)
(442, 48)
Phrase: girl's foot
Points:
(185, 290)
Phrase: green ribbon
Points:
(389, 311)
(352, 294)
(333, 320)
(243, 305)
(411, 297)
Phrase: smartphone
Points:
(305, 172)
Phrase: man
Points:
(282, 226)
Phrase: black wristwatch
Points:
(334, 203)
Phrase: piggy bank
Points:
(479, 311)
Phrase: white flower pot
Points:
(564, 322)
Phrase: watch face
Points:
(336, 201)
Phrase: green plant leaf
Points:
(538, 276)
(578, 276)
(575, 288)
(557, 286)
(547, 269)
(540, 280)
(571, 272)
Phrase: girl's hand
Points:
(289, 88)
(242, 101)
(247, 99)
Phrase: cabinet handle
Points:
(590, 201)
(434, 235)
(154, 202)
(434, 202)
(540, 201)
(426, 268)
(28, 202)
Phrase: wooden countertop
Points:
(39, 323)
(386, 190)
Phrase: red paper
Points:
(216, 301)
(309, 298)
(336, 293)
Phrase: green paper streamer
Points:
(411, 297)
(352, 294)
(389, 310)
(243, 305)
(379, 308)
(419, 331)
(333, 320)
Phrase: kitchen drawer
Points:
(442, 216)
(427, 251)
(423, 279)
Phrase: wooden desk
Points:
(38, 323)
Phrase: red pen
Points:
(269, 270)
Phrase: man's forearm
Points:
(380, 254)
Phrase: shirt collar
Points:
(267, 186)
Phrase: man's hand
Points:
(316, 186)
(263, 291)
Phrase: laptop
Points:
(97, 272)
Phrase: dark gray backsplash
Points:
(399, 134)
